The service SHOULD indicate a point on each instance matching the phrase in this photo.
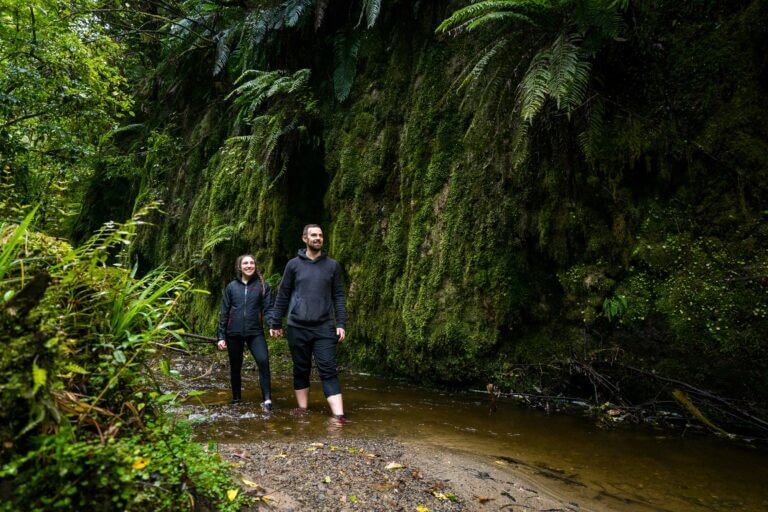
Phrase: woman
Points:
(247, 300)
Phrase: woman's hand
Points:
(222, 344)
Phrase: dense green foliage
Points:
(82, 421)
(61, 94)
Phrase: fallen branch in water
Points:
(611, 404)
(759, 422)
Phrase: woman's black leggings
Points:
(258, 347)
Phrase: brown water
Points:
(629, 469)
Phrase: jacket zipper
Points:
(245, 308)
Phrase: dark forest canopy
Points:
(537, 194)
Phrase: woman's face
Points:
(247, 267)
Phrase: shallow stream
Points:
(630, 469)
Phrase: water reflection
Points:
(624, 469)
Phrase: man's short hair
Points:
(306, 228)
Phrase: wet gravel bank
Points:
(377, 475)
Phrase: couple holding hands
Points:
(311, 292)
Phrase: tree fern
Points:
(558, 72)
(226, 32)
(274, 104)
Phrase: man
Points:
(313, 294)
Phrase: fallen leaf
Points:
(370, 455)
(416, 474)
(140, 463)
(383, 487)
(394, 465)
(483, 500)
(327, 479)
(353, 499)
(249, 483)
(500, 462)
(422, 508)
(243, 454)
(317, 445)
(280, 456)
(439, 495)
(311, 449)
(232, 494)
(352, 450)
(334, 448)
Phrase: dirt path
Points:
(381, 475)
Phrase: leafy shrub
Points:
(82, 423)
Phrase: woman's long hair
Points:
(239, 270)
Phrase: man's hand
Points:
(222, 344)
(276, 333)
(340, 333)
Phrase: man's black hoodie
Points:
(312, 292)
(242, 307)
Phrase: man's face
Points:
(314, 239)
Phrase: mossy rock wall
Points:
(422, 218)
(461, 264)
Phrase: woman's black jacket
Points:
(243, 307)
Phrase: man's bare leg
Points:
(336, 403)
(302, 397)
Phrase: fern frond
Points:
(221, 234)
(222, 50)
(569, 74)
(293, 10)
(320, 8)
(497, 16)
(589, 138)
(466, 15)
(474, 74)
(604, 18)
(520, 143)
(259, 29)
(534, 87)
(346, 49)
(371, 8)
